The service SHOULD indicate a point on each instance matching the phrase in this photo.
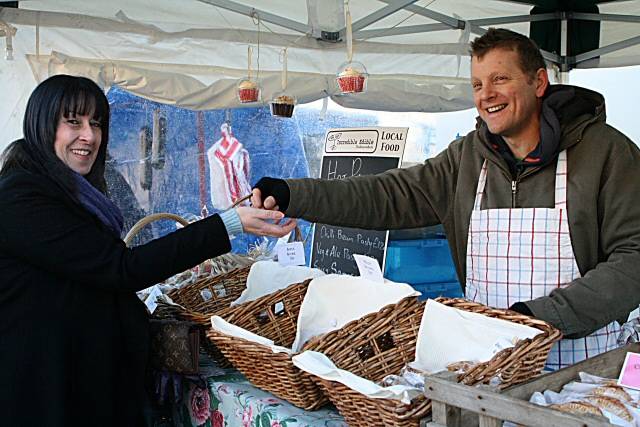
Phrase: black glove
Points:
(521, 308)
(276, 188)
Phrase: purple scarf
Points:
(99, 205)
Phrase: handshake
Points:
(269, 200)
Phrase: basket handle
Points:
(149, 219)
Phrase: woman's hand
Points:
(256, 221)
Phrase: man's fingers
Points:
(270, 202)
(256, 198)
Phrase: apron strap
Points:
(561, 181)
(560, 190)
(482, 180)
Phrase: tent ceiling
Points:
(192, 53)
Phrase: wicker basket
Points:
(273, 316)
(381, 343)
(209, 295)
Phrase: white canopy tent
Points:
(192, 53)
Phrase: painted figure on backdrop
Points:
(229, 170)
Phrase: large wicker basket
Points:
(273, 316)
(381, 343)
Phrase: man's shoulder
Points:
(603, 133)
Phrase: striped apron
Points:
(521, 254)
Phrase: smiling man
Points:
(537, 201)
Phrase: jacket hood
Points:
(575, 108)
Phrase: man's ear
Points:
(541, 81)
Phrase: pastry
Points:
(577, 408)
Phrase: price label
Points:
(150, 302)
(369, 268)
(291, 254)
(630, 374)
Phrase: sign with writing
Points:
(291, 254)
(350, 153)
(369, 268)
(630, 374)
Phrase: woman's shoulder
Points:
(18, 181)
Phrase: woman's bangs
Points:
(84, 103)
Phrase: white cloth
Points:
(266, 277)
(449, 335)
(229, 170)
(334, 300)
(318, 364)
(521, 254)
(221, 325)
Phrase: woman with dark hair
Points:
(73, 334)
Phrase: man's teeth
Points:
(496, 108)
(81, 152)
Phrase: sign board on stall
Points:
(630, 373)
(350, 153)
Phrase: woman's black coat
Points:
(73, 334)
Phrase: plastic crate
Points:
(419, 261)
(435, 290)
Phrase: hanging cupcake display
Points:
(351, 75)
(282, 104)
(248, 89)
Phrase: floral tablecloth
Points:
(231, 401)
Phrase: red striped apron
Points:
(521, 254)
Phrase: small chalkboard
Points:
(349, 153)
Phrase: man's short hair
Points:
(531, 59)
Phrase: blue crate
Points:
(434, 290)
(419, 261)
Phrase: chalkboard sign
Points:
(349, 153)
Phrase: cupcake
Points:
(248, 91)
(282, 106)
(351, 80)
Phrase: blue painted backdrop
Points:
(286, 148)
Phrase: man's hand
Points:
(271, 194)
(256, 221)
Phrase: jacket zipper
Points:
(514, 188)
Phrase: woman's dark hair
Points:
(58, 96)
(531, 59)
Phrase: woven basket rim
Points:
(419, 407)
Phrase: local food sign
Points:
(351, 153)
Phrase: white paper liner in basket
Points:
(448, 335)
(331, 302)
(266, 277)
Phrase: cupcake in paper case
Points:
(282, 106)
(248, 91)
(352, 77)
(351, 81)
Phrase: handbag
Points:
(175, 346)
